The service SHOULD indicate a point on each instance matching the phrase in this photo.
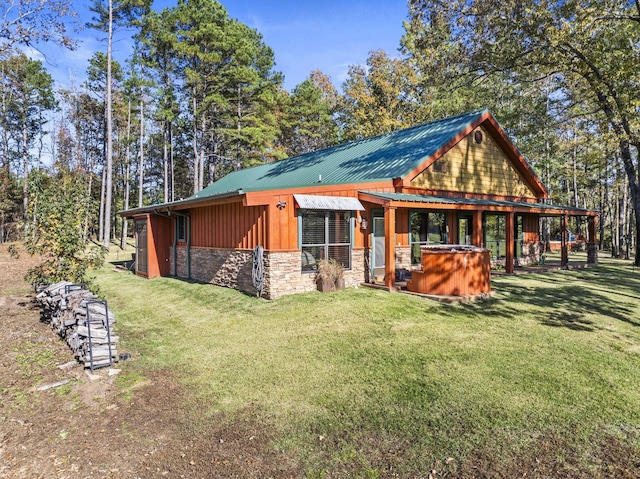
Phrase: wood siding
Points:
(228, 225)
(159, 238)
(471, 167)
(456, 273)
(531, 228)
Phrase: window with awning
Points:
(325, 235)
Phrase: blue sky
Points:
(305, 35)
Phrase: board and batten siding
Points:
(471, 167)
(229, 225)
(531, 228)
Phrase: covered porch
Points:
(401, 223)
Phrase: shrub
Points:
(331, 272)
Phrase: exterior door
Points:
(378, 242)
(518, 236)
(465, 229)
(141, 247)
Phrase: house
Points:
(371, 204)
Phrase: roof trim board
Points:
(441, 202)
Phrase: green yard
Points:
(361, 382)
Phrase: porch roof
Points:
(457, 203)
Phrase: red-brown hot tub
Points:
(457, 270)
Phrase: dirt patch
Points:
(553, 456)
(92, 427)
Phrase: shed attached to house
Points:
(370, 204)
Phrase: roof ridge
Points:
(381, 135)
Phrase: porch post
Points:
(452, 227)
(510, 240)
(477, 228)
(389, 247)
(564, 239)
(592, 244)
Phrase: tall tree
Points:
(28, 92)
(156, 40)
(229, 86)
(97, 75)
(592, 50)
(377, 98)
(108, 15)
(308, 122)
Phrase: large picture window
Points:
(426, 227)
(325, 235)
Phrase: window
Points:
(325, 235)
(426, 227)
(495, 234)
(519, 236)
(141, 247)
(181, 228)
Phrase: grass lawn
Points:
(360, 382)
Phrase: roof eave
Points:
(178, 204)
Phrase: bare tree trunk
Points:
(102, 202)
(601, 199)
(626, 223)
(203, 121)
(141, 167)
(196, 168)
(127, 179)
(25, 176)
(86, 216)
(165, 161)
(108, 101)
(173, 172)
(615, 217)
(576, 201)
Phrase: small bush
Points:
(331, 272)
(60, 208)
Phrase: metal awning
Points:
(316, 202)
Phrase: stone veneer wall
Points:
(403, 257)
(182, 262)
(223, 267)
(531, 254)
(592, 253)
(283, 274)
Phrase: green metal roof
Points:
(474, 201)
(380, 158)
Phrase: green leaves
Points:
(59, 206)
(308, 123)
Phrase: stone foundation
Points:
(223, 267)
(283, 273)
(403, 257)
(592, 253)
(531, 254)
(232, 268)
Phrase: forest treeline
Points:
(201, 96)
